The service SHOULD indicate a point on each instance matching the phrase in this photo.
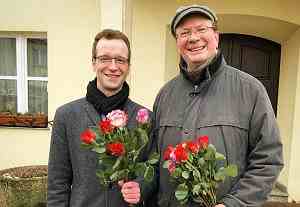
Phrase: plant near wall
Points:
(12, 119)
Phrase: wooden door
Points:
(256, 56)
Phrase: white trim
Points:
(22, 71)
(22, 91)
(37, 78)
(31, 35)
(25, 74)
(8, 77)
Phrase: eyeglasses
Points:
(108, 60)
(197, 31)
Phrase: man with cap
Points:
(231, 107)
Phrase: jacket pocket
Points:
(230, 137)
(168, 132)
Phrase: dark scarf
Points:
(197, 77)
(104, 104)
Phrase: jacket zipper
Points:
(194, 91)
(195, 88)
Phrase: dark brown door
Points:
(256, 56)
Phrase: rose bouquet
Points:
(193, 166)
(119, 148)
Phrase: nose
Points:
(113, 65)
(193, 37)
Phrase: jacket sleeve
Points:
(264, 157)
(59, 165)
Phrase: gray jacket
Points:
(72, 177)
(234, 110)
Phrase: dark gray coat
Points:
(72, 177)
(234, 110)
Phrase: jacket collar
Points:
(92, 113)
(205, 73)
(129, 107)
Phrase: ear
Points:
(94, 66)
(216, 36)
(177, 45)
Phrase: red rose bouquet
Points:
(119, 148)
(193, 166)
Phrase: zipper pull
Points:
(192, 94)
(195, 88)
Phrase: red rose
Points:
(168, 152)
(116, 148)
(106, 126)
(88, 136)
(193, 147)
(203, 141)
(180, 154)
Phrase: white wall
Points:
(70, 26)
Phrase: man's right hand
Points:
(130, 191)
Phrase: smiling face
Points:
(196, 48)
(111, 65)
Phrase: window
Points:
(23, 74)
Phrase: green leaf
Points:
(196, 189)
(181, 192)
(86, 146)
(197, 175)
(201, 161)
(191, 158)
(153, 159)
(143, 136)
(119, 175)
(100, 173)
(184, 201)
(99, 150)
(210, 152)
(185, 175)
(117, 163)
(142, 141)
(140, 169)
(99, 136)
(166, 164)
(132, 143)
(231, 170)
(149, 174)
(220, 175)
(107, 161)
(102, 178)
(219, 156)
(177, 173)
(189, 167)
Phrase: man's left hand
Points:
(130, 191)
(220, 205)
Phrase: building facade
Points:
(69, 27)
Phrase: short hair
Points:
(111, 34)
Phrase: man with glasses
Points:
(232, 108)
(72, 177)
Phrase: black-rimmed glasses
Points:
(109, 60)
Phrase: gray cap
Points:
(184, 11)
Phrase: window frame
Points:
(22, 77)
